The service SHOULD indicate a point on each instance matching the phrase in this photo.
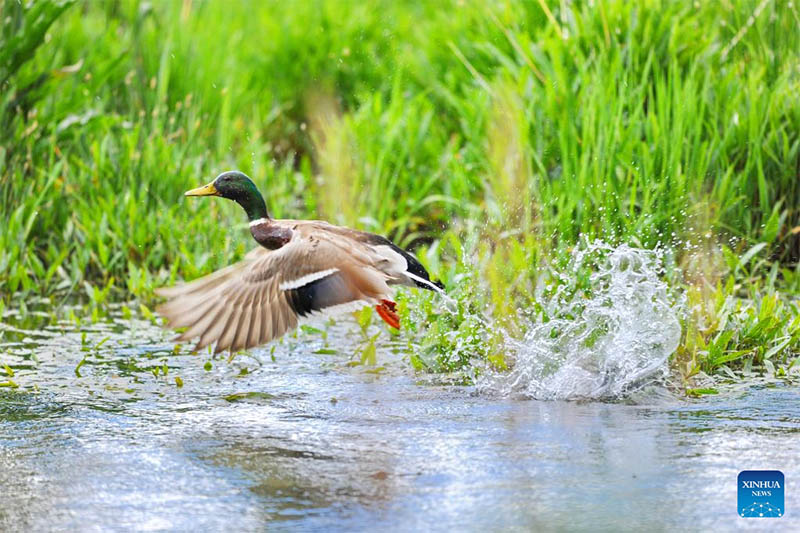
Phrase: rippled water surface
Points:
(306, 441)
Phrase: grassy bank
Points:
(488, 137)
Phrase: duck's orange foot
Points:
(387, 311)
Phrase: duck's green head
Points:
(235, 186)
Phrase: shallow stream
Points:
(308, 441)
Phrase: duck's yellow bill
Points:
(205, 190)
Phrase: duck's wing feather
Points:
(264, 296)
(401, 265)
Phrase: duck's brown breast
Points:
(269, 235)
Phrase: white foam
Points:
(600, 343)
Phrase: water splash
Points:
(598, 338)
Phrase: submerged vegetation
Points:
(491, 138)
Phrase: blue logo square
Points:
(761, 494)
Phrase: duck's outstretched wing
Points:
(262, 297)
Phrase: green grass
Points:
(518, 127)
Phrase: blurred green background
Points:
(517, 126)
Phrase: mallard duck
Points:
(301, 268)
